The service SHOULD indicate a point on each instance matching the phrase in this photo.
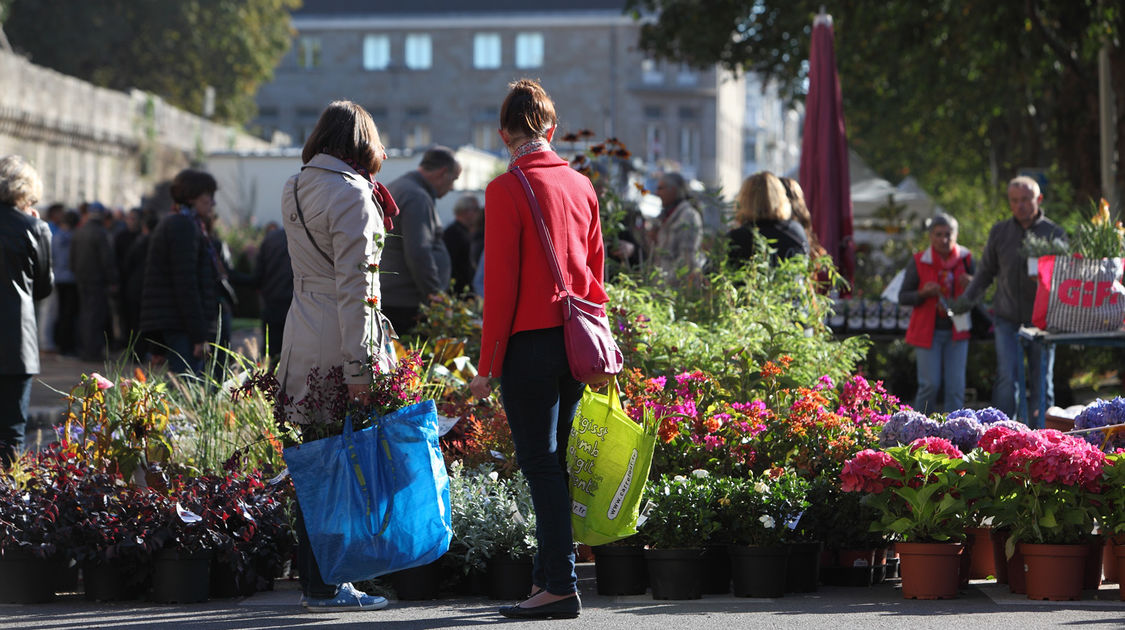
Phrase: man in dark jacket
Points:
(25, 247)
(415, 262)
(95, 273)
(458, 238)
(179, 311)
(273, 274)
(1004, 262)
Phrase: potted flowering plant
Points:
(1112, 516)
(122, 425)
(923, 494)
(38, 519)
(681, 521)
(757, 516)
(493, 530)
(1047, 486)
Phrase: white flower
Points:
(679, 479)
(493, 476)
(767, 521)
(700, 473)
(761, 487)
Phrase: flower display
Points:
(904, 427)
(991, 415)
(864, 472)
(762, 510)
(1044, 484)
(962, 431)
(923, 491)
(1103, 413)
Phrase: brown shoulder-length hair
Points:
(762, 198)
(345, 131)
(527, 111)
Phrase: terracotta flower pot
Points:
(981, 558)
(1054, 572)
(1109, 562)
(929, 570)
(999, 538)
(1119, 556)
(1092, 578)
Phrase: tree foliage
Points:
(173, 49)
(949, 90)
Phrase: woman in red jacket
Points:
(522, 340)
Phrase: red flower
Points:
(864, 472)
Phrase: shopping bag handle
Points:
(361, 479)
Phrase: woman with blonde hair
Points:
(522, 336)
(764, 207)
(801, 214)
(25, 248)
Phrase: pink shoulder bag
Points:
(590, 349)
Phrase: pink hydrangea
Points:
(864, 472)
(937, 446)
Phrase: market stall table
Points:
(1031, 335)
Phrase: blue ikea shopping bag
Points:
(374, 500)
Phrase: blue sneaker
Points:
(347, 599)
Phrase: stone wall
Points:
(89, 143)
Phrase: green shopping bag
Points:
(608, 457)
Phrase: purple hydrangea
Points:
(1014, 425)
(963, 431)
(962, 413)
(991, 415)
(920, 427)
(892, 432)
(1101, 413)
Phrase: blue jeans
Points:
(942, 364)
(1009, 353)
(540, 397)
(15, 402)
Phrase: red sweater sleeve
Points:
(501, 275)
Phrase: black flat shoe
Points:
(563, 609)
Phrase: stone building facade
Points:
(93, 144)
(435, 71)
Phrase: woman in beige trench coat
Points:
(335, 216)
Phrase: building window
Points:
(689, 113)
(376, 52)
(417, 136)
(419, 51)
(687, 75)
(485, 137)
(308, 52)
(651, 73)
(654, 148)
(529, 50)
(653, 112)
(486, 50)
(689, 146)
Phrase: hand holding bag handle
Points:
(592, 353)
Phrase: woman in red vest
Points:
(939, 274)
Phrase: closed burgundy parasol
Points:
(824, 152)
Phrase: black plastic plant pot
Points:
(181, 578)
(620, 570)
(26, 579)
(418, 583)
(675, 573)
(508, 578)
(803, 572)
(759, 571)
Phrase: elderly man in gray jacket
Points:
(416, 263)
(1004, 261)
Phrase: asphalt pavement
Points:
(983, 605)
